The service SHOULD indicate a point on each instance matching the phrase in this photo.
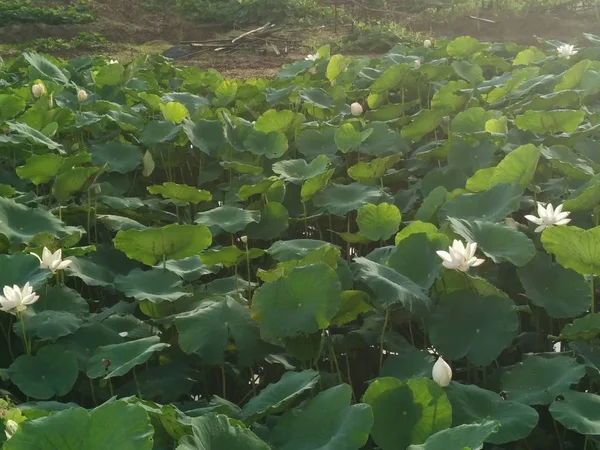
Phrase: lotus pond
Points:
(191, 262)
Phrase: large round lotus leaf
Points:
(390, 78)
(411, 363)
(158, 131)
(58, 312)
(229, 256)
(118, 223)
(578, 411)
(465, 324)
(91, 272)
(347, 138)
(20, 224)
(294, 249)
(431, 204)
(169, 242)
(415, 257)
(278, 396)
(313, 143)
(391, 288)
(550, 122)
(472, 404)
(462, 437)
(517, 167)
(51, 372)
(122, 357)
(114, 425)
(20, 268)
(378, 222)
(574, 248)
(119, 157)
(492, 205)
(274, 220)
(228, 218)
(372, 170)
(212, 328)
(190, 268)
(317, 97)
(341, 199)
(498, 242)
(585, 197)
(40, 168)
(304, 301)
(272, 145)
(87, 339)
(156, 285)
(537, 380)
(181, 193)
(206, 135)
(298, 170)
(406, 412)
(216, 432)
(73, 180)
(583, 328)
(341, 426)
(561, 292)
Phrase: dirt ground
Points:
(132, 29)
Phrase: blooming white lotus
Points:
(548, 217)
(52, 261)
(10, 428)
(427, 43)
(459, 257)
(82, 95)
(16, 300)
(313, 57)
(441, 373)
(38, 90)
(566, 51)
(356, 109)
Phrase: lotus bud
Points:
(244, 240)
(441, 373)
(10, 428)
(82, 96)
(356, 109)
(427, 43)
(417, 63)
(38, 90)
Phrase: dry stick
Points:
(248, 33)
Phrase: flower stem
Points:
(592, 296)
(385, 322)
(137, 384)
(24, 337)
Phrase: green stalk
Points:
(385, 322)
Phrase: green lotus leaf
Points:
(229, 256)
(340, 424)
(298, 170)
(578, 411)
(46, 68)
(174, 112)
(464, 46)
(272, 145)
(51, 372)
(472, 404)
(74, 180)
(378, 222)
(353, 304)
(216, 432)
(550, 122)
(313, 143)
(406, 412)
(517, 167)
(390, 79)
(490, 327)
(114, 424)
(492, 205)
(228, 218)
(561, 292)
(40, 168)
(498, 242)
(211, 328)
(584, 198)
(583, 328)
(274, 220)
(206, 135)
(275, 121)
(347, 138)
(538, 379)
(181, 193)
(574, 248)
(411, 363)
(116, 360)
(390, 287)
(308, 297)
(280, 395)
(471, 437)
(374, 169)
(118, 156)
(340, 199)
(155, 285)
(169, 242)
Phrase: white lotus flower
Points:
(52, 261)
(244, 239)
(312, 57)
(38, 90)
(549, 217)
(427, 43)
(356, 109)
(459, 257)
(113, 61)
(441, 373)
(82, 95)
(10, 428)
(16, 300)
(566, 51)
(417, 63)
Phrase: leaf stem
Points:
(592, 296)
(385, 322)
(560, 443)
